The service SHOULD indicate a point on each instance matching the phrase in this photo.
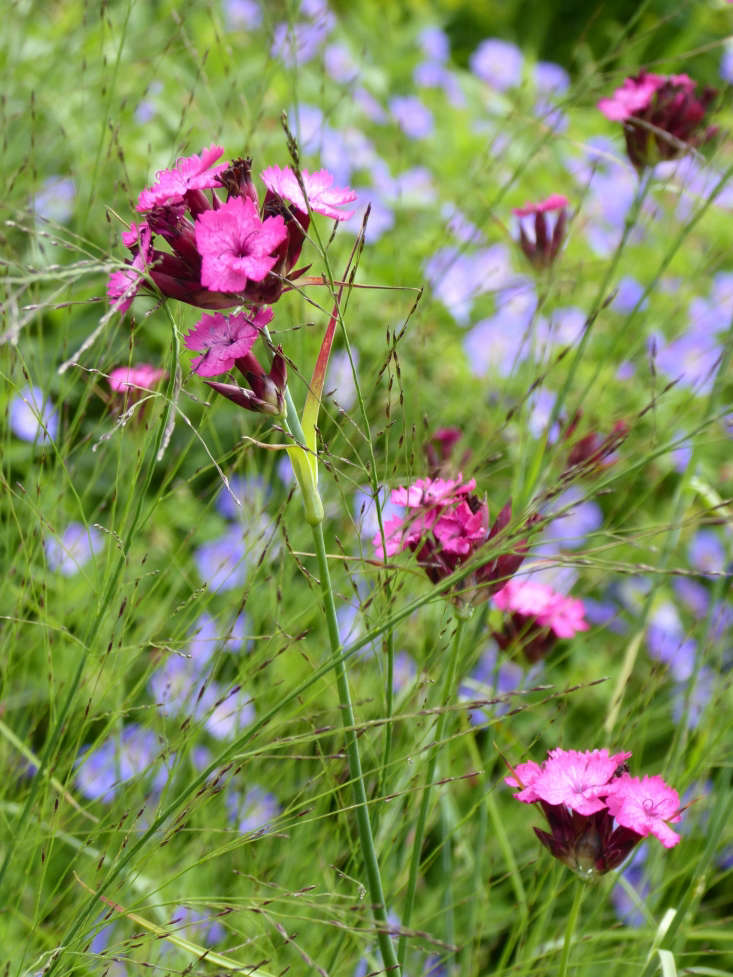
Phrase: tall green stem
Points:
(570, 928)
(366, 839)
(445, 693)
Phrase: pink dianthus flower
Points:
(323, 197)
(123, 286)
(190, 173)
(540, 239)
(536, 616)
(236, 246)
(128, 378)
(225, 339)
(574, 778)
(645, 805)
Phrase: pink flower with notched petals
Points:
(432, 491)
(125, 378)
(523, 776)
(190, 173)
(459, 530)
(576, 779)
(528, 598)
(123, 286)
(224, 340)
(236, 246)
(323, 198)
(555, 201)
(645, 805)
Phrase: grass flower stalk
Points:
(432, 763)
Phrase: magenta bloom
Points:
(127, 378)
(540, 240)
(123, 286)
(323, 197)
(189, 173)
(236, 246)
(224, 340)
(445, 526)
(575, 779)
(536, 616)
(597, 813)
(661, 115)
(645, 805)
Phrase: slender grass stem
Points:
(366, 839)
(570, 928)
(432, 763)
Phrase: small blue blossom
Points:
(404, 672)
(628, 294)
(55, 200)
(706, 553)
(634, 872)
(250, 490)
(550, 78)
(227, 714)
(198, 927)
(242, 14)
(491, 678)
(699, 697)
(498, 63)
(412, 116)
(75, 547)
(365, 511)
(340, 385)
(339, 64)
(133, 753)
(693, 595)
(255, 812)
(221, 562)
(582, 517)
(33, 417)
(434, 43)
(381, 216)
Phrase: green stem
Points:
(446, 692)
(570, 928)
(366, 839)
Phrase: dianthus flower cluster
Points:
(541, 240)
(445, 525)
(536, 615)
(596, 811)
(662, 116)
(222, 250)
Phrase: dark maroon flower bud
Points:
(237, 180)
(439, 450)
(267, 390)
(595, 451)
(543, 244)
(589, 844)
(661, 115)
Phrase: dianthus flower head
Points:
(597, 813)
(224, 340)
(445, 525)
(189, 173)
(323, 197)
(536, 616)
(124, 379)
(236, 246)
(123, 285)
(543, 242)
(661, 115)
(645, 805)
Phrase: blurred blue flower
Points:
(571, 528)
(628, 293)
(297, 43)
(175, 687)
(307, 124)
(339, 63)
(706, 552)
(251, 491)
(227, 714)
(682, 453)
(254, 812)
(550, 78)
(494, 344)
(33, 416)
(721, 624)
(625, 371)
(284, 470)
(242, 14)
(457, 277)
(381, 216)
(413, 186)
(412, 116)
(726, 64)
(340, 385)
(699, 697)
(604, 614)
(428, 74)
(221, 562)
(550, 115)
(351, 629)
(492, 677)
(75, 547)
(666, 641)
(55, 200)
(404, 672)
(541, 404)
(198, 927)
(434, 43)
(460, 226)
(566, 326)
(365, 511)
(693, 595)
(498, 63)
(133, 753)
(634, 872)
(368, 104)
